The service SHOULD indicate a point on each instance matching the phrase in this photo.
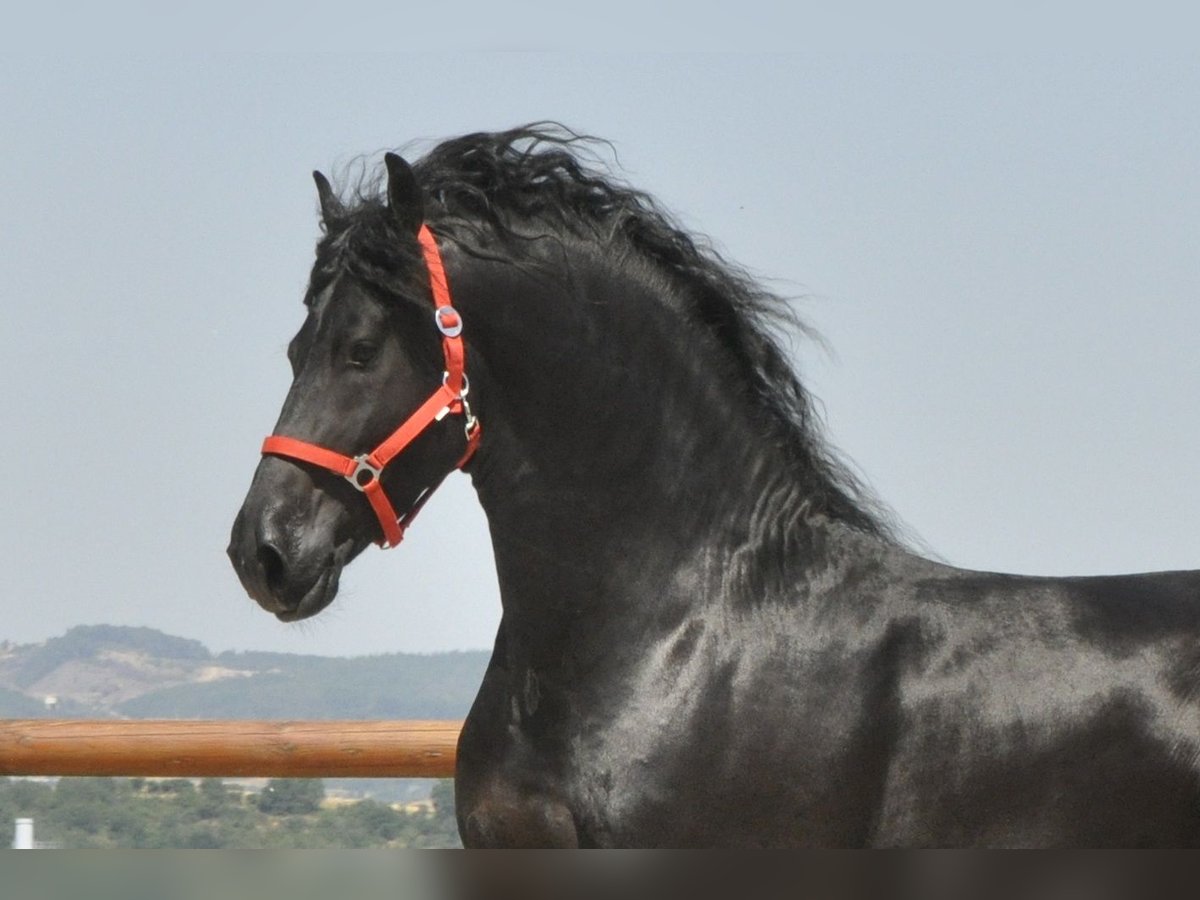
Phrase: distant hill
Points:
(110, 671)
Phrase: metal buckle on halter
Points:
(449, 331)
(361, 467)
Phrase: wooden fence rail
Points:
(228, 748)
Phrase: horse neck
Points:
(619, 444)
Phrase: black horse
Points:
(709, 636)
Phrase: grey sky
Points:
(1002, 253)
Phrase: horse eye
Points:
(362, 352)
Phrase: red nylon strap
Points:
(448, 399)
(393, 531)
(472, 445)
(433, 262)
(426, 415)
(279, 445)
(447, 315)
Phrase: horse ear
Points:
(404, 194)
(331, 206)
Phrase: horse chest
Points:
(670, 755)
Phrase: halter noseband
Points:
(365, 470)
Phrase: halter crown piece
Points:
(364, 471)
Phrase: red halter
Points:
(364, 471)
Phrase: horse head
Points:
(365, 361)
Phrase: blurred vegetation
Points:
(179, 813)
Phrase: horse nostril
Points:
(271, 561)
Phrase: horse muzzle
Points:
(289, 566)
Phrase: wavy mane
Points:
(496, 184)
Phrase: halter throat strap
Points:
(365, 471)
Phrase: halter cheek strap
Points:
(365, 470)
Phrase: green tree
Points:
(179, 786)
(85, 804)
(213, 799)
(440, 829)
(290, 796)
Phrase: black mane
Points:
(490, 184)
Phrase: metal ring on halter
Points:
(360, 466)
(466, 387)
(450, 331)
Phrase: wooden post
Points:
(228, 748)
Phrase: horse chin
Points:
(325, 588)
(319, 596)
